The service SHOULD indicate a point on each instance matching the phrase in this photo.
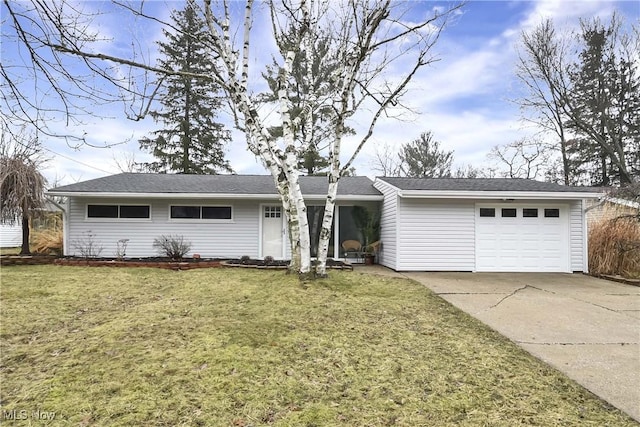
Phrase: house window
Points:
(130, 211)
(272, 211)
(216, 212)
(509, 212)
(102, 211)
(201, 212)
(530, 212)
(551, 213)
(185, 212)
(119, 211)
(487, 212)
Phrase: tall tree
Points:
(423, 157)
(528, 158)
(419, 158)
(368, 38)
(541, 68)
(590, 100)
(191, 141)
(605, 100)
(21, 183)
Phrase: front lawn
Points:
(227, 347)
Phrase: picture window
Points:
(119, 211)
(201, 212)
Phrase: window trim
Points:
(202, 220)
(118, 218)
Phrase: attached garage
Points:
(484, 225)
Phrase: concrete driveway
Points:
(585, 327)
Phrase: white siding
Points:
(388, 225)
(10, 235)
(577, 237)
(209, 239)
(436, 235)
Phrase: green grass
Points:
(228, 347)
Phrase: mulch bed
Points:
(157, 262)
(36, 259)
(280, 264)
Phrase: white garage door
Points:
(522, 238)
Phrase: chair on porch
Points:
(353, 247)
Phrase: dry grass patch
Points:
(47, 241)
(147, 347)
(614, 247)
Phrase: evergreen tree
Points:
(191, 141)
(307, 94)
(604, 104)
(424, 158)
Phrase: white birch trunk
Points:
(299, 225)
(329, 207)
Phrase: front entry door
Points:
(272, 231)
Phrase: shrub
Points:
(121, 248)
(268, 260)
(174, 247)
(614, 247)
(244, 259)
(87, 247)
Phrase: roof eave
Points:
(531, 195)
(229, 196)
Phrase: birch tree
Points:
(377, 47)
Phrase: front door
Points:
(272, 231)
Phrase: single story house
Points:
(443, 224)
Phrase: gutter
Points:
(501, 195)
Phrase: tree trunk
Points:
(25, 235)
(327, 222)
(301, 247)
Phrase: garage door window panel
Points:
(487, 212)
(552, 213)
(509, 212)
(530, 213)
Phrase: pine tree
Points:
(307, 93)
(423, 158)
(191, 141)
(605, 99)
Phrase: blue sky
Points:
(464, 98)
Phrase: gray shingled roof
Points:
(212, 184)
(480, 184)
